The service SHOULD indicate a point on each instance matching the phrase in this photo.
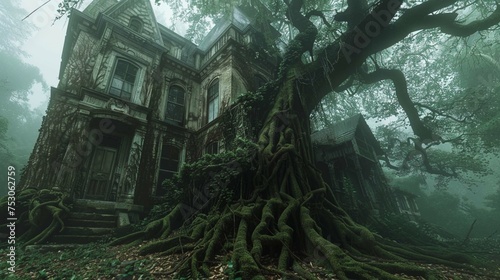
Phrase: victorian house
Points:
(135, 100)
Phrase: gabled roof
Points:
(121, 11)
(346, 130)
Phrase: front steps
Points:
(87, 224)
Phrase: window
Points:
(175, 106)
(212, 148)
(135, 24)
(213, 101)
(169, 164)
(123, 80)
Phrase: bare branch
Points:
(39, 7)
(438, 112)
(456, 29)
(319, 14)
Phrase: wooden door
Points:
(101, 173)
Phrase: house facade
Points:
(135, 100)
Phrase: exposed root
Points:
(41, 214)
(159, 228)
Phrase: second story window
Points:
(212, 148)
(175, 106)
(123, 79)
(213, 101)
(135, 24)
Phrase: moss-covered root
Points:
(161, 227)
(344, 266)
(48, 231)
(46, 205)
(242, 257)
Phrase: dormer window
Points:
(135, 24)
(122, 83)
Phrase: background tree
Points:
(19, 122)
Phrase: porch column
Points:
(127, 190)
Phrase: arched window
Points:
(174, 112)
(123, 79)
(169, 165)
(213, 101)
(135, 24)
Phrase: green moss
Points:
(242, 258)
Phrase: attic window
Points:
(135, 24)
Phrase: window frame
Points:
(136, 24)
(122, 78)
(213, 101)
(164, 159)
(176, 105)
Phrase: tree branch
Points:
(399, 81)
(418, 149)
(341, 59)
(428, 167)
(318, 14)
(304, 41)
(456, 29)
(439, 113)
(355, 12)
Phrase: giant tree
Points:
(273, 201)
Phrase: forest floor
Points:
(99, 261)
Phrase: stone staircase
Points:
(87, 224)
